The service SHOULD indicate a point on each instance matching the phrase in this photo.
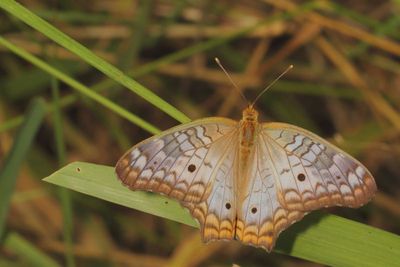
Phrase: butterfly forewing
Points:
(314, 173)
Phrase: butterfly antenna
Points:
(230, 79)
(271, 84)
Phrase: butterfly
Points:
(245, 180)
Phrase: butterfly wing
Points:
(314, 173)
(193, 163)
(217, 214)
(181, 162)
(294, 172)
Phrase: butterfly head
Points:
(250, 114)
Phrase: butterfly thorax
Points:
(248, 127)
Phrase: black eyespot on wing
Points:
(301, 177)
(228, 205)
(253, 210)
(192, 168)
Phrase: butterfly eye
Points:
(191, 168)
(254, 210)
(301, 177)
(228, 205)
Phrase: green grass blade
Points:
(79, 87)
(335, 241)
(321, 238)
(64, 194)
(57, 122)
(100, 181)
(57, 36)
(28, 252)
(10, 124)
(11, 165)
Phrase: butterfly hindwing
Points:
(261, 217)
(313, 173)
(217, 214)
